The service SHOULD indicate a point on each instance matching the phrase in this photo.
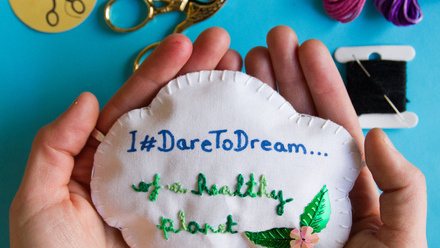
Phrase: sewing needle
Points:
(384, 95)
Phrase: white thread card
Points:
(220, 159)
(404, 119)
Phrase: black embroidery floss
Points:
(377, 88)
(368, 86)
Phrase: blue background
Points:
(41, 74)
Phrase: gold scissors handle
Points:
(195, 12)
(173, 5)
(198, 11)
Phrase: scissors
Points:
(196, 11)
(78, 9)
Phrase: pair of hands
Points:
(53, 207)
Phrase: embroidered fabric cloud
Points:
(219, 159)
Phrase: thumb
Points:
(51, 159)
(403, 203)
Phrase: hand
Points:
(53, 207)
(307, 77)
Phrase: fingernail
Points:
(388, 142)
(74, 102)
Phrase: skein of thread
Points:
(400, 12)
(343, 10)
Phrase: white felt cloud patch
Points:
(219, 159)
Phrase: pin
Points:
(384, 95)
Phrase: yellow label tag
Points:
(52, 16)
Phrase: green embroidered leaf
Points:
(317, 213)
(276, 237)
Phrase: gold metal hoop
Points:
(107, 15)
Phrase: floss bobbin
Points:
(377, 88)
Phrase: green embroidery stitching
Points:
(201, 184)
(225, 190)
(145, 187)
(280, 207)
(221, 228)
(240, 182)
(250, 189)
(229, 224)
(167, 225)
(263, 186)
(196, 228)
(208, 227)
(214, 190)
(177, 188)
(165, 228)
(183, 220)
(251, 184)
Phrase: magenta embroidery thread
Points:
(343, 10)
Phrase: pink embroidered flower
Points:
(303, 238)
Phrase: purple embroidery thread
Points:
(400, 12)
(343, 10)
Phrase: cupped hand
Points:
(307, 77)
(53, 207)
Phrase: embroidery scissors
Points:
(77, 9)
(196, 11)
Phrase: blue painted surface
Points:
(41, 74)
